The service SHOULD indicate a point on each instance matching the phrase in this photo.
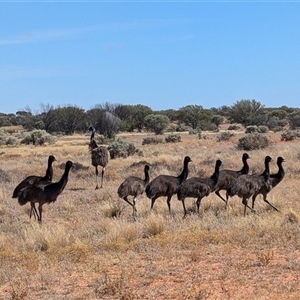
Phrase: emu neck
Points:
(64, 179)
(185, 172)
(280, 174)
(49, 172)
(147, 177)
(245, 168)
(266, 173)
(215, 175)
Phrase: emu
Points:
(227, 176)
(166, 185)
(100, 156)
(197, 187)
(44, 192)
(274, 180)
(33, 179)
(134, 186)
(246, 186)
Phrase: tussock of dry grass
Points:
(90, 246)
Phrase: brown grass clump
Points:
(90, 247)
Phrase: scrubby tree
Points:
(244, 111)
(157, 123)
(217, 119)
(294, 119)
(104, 120)
(48, 117)
(191, 115)
(139, 113)
(4, 120)
(70, 118)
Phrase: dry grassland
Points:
(81, 251)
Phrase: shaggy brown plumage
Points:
(33, 179)
(167, 185)
(227, 176)
(274, 180)
(197, 187)
(134, 186)
(100, 157)
(246, 186)
(44, 192)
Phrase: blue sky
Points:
(161, 54)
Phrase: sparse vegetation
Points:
(225, 136)
(123, 149)
(152, 140)
(290, 135)
(38, 137)
(253, 141)
(173, 138)
(90, 247)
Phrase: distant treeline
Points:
(109, 119)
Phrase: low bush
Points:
(253, 141)
(256, 129)
(12, 141)
(38, 137)
(173, 138)
(152, 140)
(290, 135)
(120, 148)
(225, 136)
(233, 127)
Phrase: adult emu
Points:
(44, 192)
(134, 186)
(226, 177)
(246, 186)
(197, 187)
(33, 179)
(100, 156)
(167, 185)
(274, 180)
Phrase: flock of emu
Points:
(41, 189)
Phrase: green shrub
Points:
(120, 148)
(182, 128)
(12, 141)
(225, 136)
(290, 135)
(233, 127)
(251, 129)
(38, 137)
(202, 136)
(173, 138)
(152, 140)
(193, 131)
(257, 129)
(253, 141)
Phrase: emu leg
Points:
(33, 211)
(132, 204)
(198, 202)
(102, 176)
(96, 172)
(219, 195)
(265, 199)
(169, 203)
(184, 209)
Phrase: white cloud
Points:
(54, 34)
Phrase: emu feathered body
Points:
(226, 177)
(167, 185)
(197, 187)
(134, 186)
(44, 192)
(246, 186)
